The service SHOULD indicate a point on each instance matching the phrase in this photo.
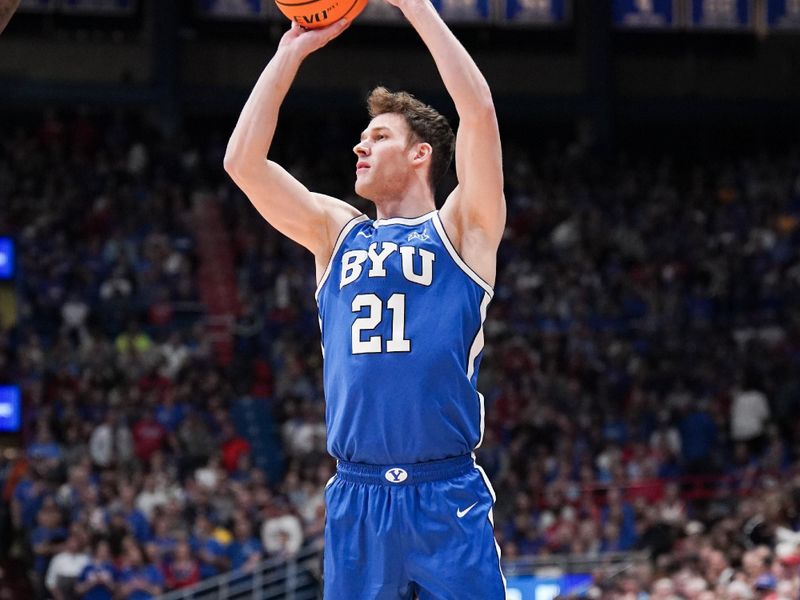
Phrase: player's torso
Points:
(401, 318)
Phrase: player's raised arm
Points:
(475, 212)
(7, 8)
(311, 219)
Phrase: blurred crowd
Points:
(134, 479)
(640, 371)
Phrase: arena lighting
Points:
(6, 258)
(10, 409)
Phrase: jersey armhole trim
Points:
(342, 235)
(437, 223)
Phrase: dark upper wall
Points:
(544, 74)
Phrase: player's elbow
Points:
(232, 163)
(484, 98)
(481, 111)
(482, 103)
(249, 172)
(239, 169)
(238, 158)
(485, 108)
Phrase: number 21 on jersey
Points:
(395, 309)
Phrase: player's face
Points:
(383, 164)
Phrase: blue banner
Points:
(10, 409)
(547, 588)
(645, 13)
(537, 12)
(722, 14)
(783, 14)
(463, 10)
(6, 258)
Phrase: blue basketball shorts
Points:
(394, 531)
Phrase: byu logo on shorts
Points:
(396, 475)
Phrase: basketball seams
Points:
(297, 3)
(284, 6)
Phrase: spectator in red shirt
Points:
(233, 446)
(149, 436)
(183, 570)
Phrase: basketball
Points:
(319, 13)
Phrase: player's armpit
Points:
(476, 247)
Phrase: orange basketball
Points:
(312, 14)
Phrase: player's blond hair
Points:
(425, 123)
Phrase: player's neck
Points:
(412, 204)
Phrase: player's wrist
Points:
(292, 53)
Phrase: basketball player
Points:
(401, 301)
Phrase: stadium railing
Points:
(297, 578)
(609, 564)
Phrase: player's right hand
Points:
(307, 41)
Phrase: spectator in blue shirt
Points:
(44, 447)
(245, 551)
(27, 500)
(139, 580)
(136, 520)
(620, 513)
(163, 539)
(47, 539)
(211, 552)
(96, 581)
(698, 438)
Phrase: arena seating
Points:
(640, 372)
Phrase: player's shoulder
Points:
(336, 209)
(338, 215)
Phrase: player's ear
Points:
(422, 152)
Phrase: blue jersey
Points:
(401, 317)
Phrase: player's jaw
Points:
(378, 181)
(364, 177)
(381, 174)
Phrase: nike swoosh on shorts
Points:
(460, 513)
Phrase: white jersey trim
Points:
(489, 487)
(474, 352)
(483, 419)
(477, 343)
(342, 235)
(437, 223)
(404, 220)
(321, 345)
